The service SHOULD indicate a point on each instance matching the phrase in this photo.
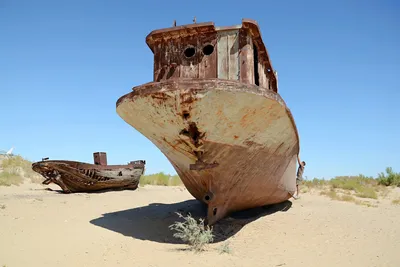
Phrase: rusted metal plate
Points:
(247, 130)
(217, 116)
(100, 158)
(74, 176)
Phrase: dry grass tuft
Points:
(396, 201)
(361, 186)
(160, 179)
(347, 197)
(225, 248)
(10, 177)
(15, 170)
(367, 192)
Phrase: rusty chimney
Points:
(100, 158)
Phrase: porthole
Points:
(208, 49)
(189, 52)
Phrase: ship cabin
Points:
(203, 51)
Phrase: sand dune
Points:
(130, 228)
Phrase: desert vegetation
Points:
(357, 189)
(225, 248)
(160, 179)
(15, 170)
(391, 178)
(196, 234)
(363, 186)
(396, 201)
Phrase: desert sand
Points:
(41, 227)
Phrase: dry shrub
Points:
(197, 235)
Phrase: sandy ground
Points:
(130, 228)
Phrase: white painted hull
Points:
(246, 130)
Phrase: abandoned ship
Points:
(74, 176)
(214, 111)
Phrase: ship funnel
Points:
(100, 158)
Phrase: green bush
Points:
(391, 179)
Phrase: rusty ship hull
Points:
(74, 176)
(231, 138)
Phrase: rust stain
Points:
(193, 133)
(177, 146)
(199, 165)
(244, 120)
(161, 96)
(250, 143)
(187, 98)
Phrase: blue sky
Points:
(64, 64)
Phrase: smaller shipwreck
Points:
(74, 176)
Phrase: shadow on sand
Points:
(151, 222)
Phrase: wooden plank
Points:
(190, 66)
(246, 58)
(222, 55)
(175, 60)
(157, 63)
(263, 77)
(233, 55)
(208, 62)
(228, 55)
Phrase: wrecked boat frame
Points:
(74, 176)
